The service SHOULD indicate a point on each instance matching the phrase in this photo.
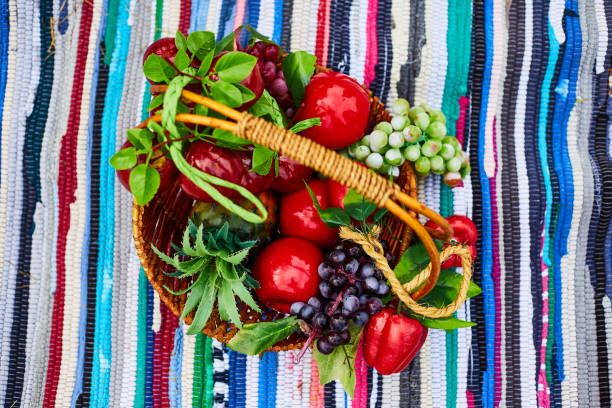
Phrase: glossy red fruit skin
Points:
(166, 168)
(390, 341)
(291, 175)
(341, 103)
(337, 192)
(230, 165)
(299, 218)
(287, 273)
(464, 231)
(254, 81)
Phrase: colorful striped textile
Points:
(525, 86)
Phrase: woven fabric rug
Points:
(525, 86)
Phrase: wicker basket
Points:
(163, 220)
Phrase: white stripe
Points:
(602, 41)
(189, 345)
(156, 324)
(400, 33)
(18, 104)
(267, 13)
(214, 11)
(424, 359)
(439, 60)
(390, 391)
(359, 22)
(421, 82)
(171, 15)
(252, 381)
(437, 339)
(339, 394)
(306, 372)
(70, 334)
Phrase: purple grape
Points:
(351, 303)
(360, 318)
(271, 52)
(366, 270)
(324, 346)
(307, 312)
(363, 299)
(355, 252)
(269, 72)
(280, 74)
(373, 306)
(383, 289)
(338, 257)
(338, 323)
(326, 290)
(333, 338)
(351, 266)
(319, 321)
(371, 284)
(315, 302)
(296, 307)
(345, 312)
(325, 270)
(290, 112)
(345, 337)
(328, 307)
(390, 259)
(351, 290)
(338, 280)
(278, 87)
(359, 287)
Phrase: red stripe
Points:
(185, 16)
(164, 343)
(67, 184)
(322, 31)
(371, 58)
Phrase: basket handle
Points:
(372, 186)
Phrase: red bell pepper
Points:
(391, 341)
(464, 232)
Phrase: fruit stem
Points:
(311, 337)
(183, 73)
(336, 303)
(157, 146)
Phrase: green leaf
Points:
(332, 216)
(262, 160)
(241, 291)
(305, 124)
(247, 94)
(226, 44)
(144, 183)
(266, 106)
(158, 69)
(379, 215)
(170, 261)
(298, 67)
(448, 324)
(226, 270)
(193, 265)
(228, 138)
(227, 299)
(156, 102)
(358, 207)
(238, 256)
(200, 110)
(142, 139)
(255, 338)
(193, 299)
(124, 159)
(235, 66)
(257, 35)
(171, 100)
(181, 60)
(340, 363)
(201, 43)
(447, 289)
(205, 307)
(226, 93)
(206, 63)
(413, 260)
(180, 41)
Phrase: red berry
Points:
(165, 167)
(342, 105)
(230, 165)
(287, 273)
(291, 175)
(299, 218)
(271, 52)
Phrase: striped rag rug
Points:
(525, 86)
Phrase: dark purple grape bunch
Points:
(273, 76)
(351, 290)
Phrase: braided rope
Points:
(327, 162)
(373, 248)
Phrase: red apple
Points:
(291, 175)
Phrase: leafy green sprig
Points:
(216, 256)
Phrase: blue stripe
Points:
(63, 16)
(199, 12)
(240, 380)
(227, 17)
(267, 381)
(150, 349)
(278, 20)
(104, 289)
(78, 386)
(252, 13)
(174, 376)
(488, 385)
(4, 36)
(231, 395)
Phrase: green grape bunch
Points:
(417, 135)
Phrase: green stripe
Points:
(111, 30)
(208, 368)
(141, 352)
(455, 85)
(551, 300)
(198, 370)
